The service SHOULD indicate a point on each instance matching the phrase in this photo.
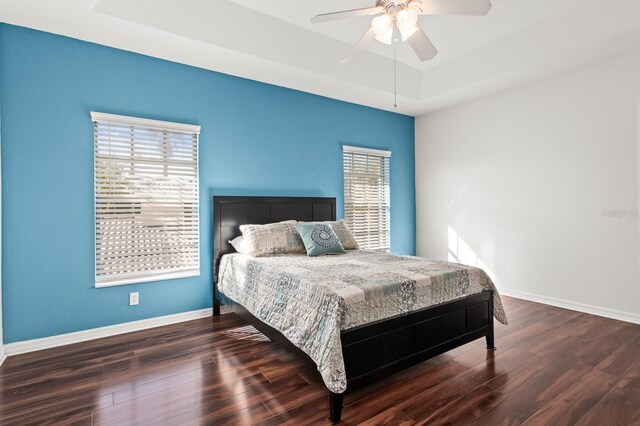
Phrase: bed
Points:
(356, 317)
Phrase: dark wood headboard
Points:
(231, 212)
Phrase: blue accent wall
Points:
(257, 139)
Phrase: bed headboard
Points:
(231, 212)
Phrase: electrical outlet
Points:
(134, 299)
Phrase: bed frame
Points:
(371, 351)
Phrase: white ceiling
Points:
(275, 42)
(453, 35)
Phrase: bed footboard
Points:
(409, 339)
(376, 350)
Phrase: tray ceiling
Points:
(275, 42)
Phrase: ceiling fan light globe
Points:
(382, 25)
(385, 38)
(407, 20)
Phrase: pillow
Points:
(239, 244)
(319, 239)
(273, 238)
(346, 237)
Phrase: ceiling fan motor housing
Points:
(392, 6)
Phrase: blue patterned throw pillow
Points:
(319, 239)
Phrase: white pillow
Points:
(240, 244)
(272, 238)
(344, 234)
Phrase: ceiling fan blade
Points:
(347, 14)
(455, 7)
(421, 44)
(359, 47)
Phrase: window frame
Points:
(385, 204)
(165, 126)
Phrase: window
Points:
(146, 200)
(366, 196)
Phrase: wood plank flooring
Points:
(552, 367)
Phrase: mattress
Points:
(310, 300)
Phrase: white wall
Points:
(518, 183)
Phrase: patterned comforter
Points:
(311, 300)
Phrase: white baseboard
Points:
(574, 306)
(128, 327)
(97, 333)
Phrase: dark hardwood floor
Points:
(552, 367)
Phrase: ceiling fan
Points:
(398, 19)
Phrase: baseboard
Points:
(97, 333)
(17, 348)
(574, 306)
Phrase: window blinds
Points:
(366, 196)
(146, 200)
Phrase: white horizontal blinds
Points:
(146, 200)
(366, 196)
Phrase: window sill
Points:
(148, 278)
